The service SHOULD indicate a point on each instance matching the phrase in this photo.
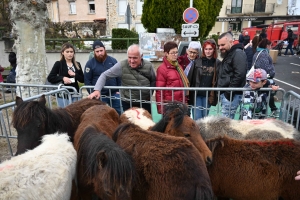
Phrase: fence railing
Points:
(289, 104)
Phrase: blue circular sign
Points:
(190, 15)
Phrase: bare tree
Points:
(29, 19)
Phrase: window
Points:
(91, 7)
(122, 25)
(140, 28)
(139, 7)
(72, 8)
(260, 6)
(122, 7)
(236, 6)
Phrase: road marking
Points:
(294, 64)
(295, 72)
(286, 83)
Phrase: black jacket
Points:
(60, 70)
(233, 69)
(195, 74)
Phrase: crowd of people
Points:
(246, 64)
(199, 67)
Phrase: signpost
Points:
(190, 30)
(190, 16)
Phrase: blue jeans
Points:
(63, 102)
(229, 107)
(201, 101)
(289, 47)
(115, 102)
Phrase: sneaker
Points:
(275, 114)
(282, 55)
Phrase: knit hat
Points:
(98, 44)
(257, 75)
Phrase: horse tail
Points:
(204, 192)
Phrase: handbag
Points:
(253, 66)
(213, 95)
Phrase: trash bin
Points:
(274, 54)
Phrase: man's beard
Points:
(224, 54)
(101, 58)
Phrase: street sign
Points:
(190, 30)
(190, 15)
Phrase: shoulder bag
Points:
(253, 66)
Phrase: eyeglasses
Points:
(193, 52)
(174, 53)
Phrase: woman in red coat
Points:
(170, 74)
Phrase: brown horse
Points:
(34, 119)
(103, 168)
(176, 121)
(168, 167)
(250, 170)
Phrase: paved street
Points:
(288, 73)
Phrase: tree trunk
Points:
(29, 24)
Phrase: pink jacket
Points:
(168, 76)
(1, 70)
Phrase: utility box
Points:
(274, 54)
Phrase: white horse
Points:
(46, 172)
(213, 126)
(139, 117)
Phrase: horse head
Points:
(28, 120)
(33, 119)
(176, 121)
(104, 164)
(138, 116)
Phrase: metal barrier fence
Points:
(290, 109)
(289, 104)
(214, 110)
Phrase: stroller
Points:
(279, 46)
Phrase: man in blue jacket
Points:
(95, 67)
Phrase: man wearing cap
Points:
(254, 102)
(191, 54)
(95, 67)
(134, 72)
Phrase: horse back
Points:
(169, 167)
(252, 169)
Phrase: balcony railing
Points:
(251, 9)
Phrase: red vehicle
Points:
(277, 32)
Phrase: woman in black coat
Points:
(67, 71)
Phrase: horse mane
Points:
(175, 110)
(120, 129)
(26, 111)
(101, 153)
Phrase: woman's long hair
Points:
(62, 57)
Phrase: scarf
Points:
(183, 77)
(261, 49)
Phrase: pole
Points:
(191, 5)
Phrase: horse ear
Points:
(19, 100)
(42, 100)
(101, 158)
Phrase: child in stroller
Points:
(279, 46)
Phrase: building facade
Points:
(239, 14)
(234, 14)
